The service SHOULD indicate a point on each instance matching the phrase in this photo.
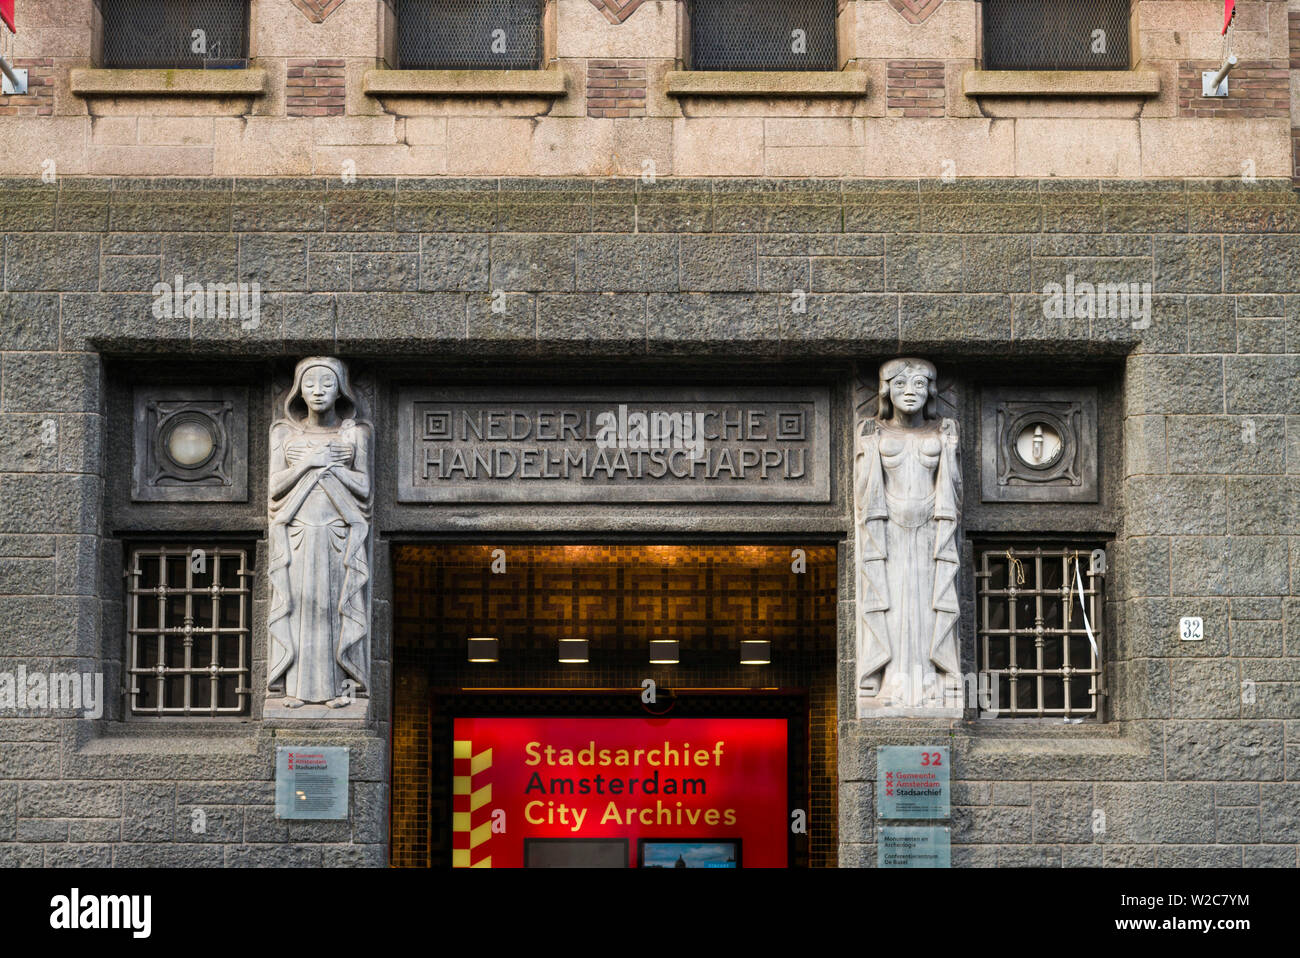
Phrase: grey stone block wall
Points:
(1198, 762)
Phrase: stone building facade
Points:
(618, 218)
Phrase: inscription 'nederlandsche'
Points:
(659, 445)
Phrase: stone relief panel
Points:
(1038, 445)
(907, 494)
(190, 444)
(320, 547)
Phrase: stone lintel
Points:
(541, 83)
(819, 83)
(221, 83)
(1083, 83)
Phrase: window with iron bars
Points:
(763, 34)
(1056, 34)
(469, 34)
(175, 34)
(189, 631)
(1033, 626)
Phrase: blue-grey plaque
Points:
(912, 781)
(910, 846)
(311, 782)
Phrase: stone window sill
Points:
(846, 83)
(1080, 83)
(205, 83)
(534, 83)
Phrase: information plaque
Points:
(912, 781)
(910, 846)
(311, 782)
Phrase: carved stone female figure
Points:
(319, 532)
(908, 499)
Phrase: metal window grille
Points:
(469, 34)
(1056, 34)
(763, 34)
(189, 631)
(175, 34)
(1032, 642)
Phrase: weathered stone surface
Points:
(275, 261)
(61, 262)
(993, 824)
(79, 856)
(29, 321)
(618, 263)
(1169, 384)
(720, 264)
(188, 855)
(453, 261)
(1205, 689)
(1177, 505)
(1231, 445)
(1062, 813)
(66, 799)
(1200, 565)
(1146, 812)
(1198, 856)
(1258, 565)
(1224, 751)
(920, 263)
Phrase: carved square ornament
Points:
(915, 11)
(1038, 445)
(317, 11)
(191, 445)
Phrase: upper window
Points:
(469, 34)
(175, 34)
(189, 630)
(762, 34)
(1056, 34)
(1039, 636)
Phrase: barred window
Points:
(469, 34)
(1056, 34)
(175, 34)
(1033, 643)
(763, 34)
(189, 630)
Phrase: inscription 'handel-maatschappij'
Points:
(319, 541)
(907, 499)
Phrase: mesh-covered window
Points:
(1056, 34)
(469, 34)
(763, 34)
(175, 34)
(1032, 640)
(189, 630)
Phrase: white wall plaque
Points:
(1191, 628)
(311, 782)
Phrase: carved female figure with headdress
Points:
(907, 493)
(319, 540)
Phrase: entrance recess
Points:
(626, 604)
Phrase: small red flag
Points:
(7, 14)
(1229, 8)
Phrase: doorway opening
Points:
(697, 609)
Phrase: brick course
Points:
(1256, 88)
(616, 88)
(39, 98)
(915, 88)
(314, 88)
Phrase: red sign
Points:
(663, 792)
(1229, 8)
(7, 14)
